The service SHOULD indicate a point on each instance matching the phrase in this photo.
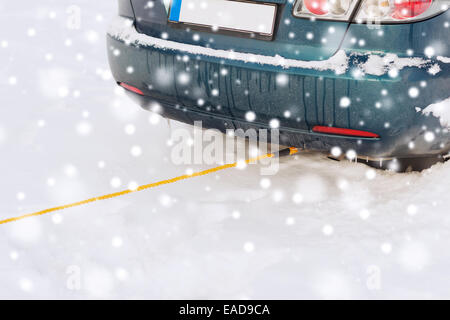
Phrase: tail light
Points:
(392, 11)
(405, 9)
(325, 9)
(371, 11)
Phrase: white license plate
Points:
(229, 15)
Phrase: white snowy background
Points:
(319, 229)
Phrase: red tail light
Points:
(370, 11)
(325, 9)
(345, 132)
(317, 7)
(405, 9)
(131, 88)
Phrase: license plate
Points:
(254, 19)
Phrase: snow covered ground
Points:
(67, 133)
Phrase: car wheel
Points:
(405, 164)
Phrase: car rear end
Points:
(359, 76)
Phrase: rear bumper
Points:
(194, 83)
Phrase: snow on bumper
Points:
(440, 110)
(376, 64)
(123, 29)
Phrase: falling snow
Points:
(68, 133)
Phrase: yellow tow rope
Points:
(144, 187)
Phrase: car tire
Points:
(405, 164)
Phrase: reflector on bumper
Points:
(131, 88)
(345, 132)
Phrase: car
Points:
(366, 79)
